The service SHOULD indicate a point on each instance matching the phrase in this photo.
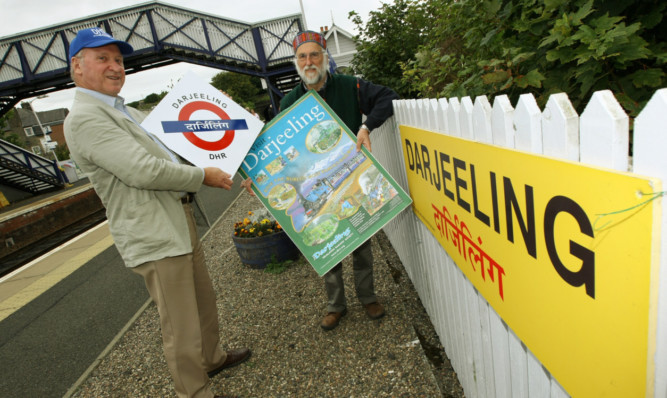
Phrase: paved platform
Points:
(59, 312)
(95, 333)
(278, 318)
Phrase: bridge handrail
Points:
(36, 62)
(18, 155)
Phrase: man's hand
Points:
(363, 138)
(247, 184)
(214, 177)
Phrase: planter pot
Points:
(259, 251)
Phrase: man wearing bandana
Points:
(350, 98)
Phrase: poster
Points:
(203, 125)
(565, 253)
(328, 197)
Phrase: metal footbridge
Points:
(37, 62)
(28, 172)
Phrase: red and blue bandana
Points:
(306, 36)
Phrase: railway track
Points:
(25, 255)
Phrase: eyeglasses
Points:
(315, 56)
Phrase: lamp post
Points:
(303, 15)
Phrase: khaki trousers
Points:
(183, 292)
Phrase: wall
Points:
(32, 223)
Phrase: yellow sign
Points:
(564, 253)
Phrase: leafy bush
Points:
(245, 90)
(390, 37)
(493, 47)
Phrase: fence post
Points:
(560, 128)
(650, 147)
(501, 121)
(604, 132)
(528, 125)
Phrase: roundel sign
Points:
(192, 107)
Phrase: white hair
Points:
(78, 56)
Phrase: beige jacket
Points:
(134, 177)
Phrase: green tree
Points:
(390, 37)
(491, 47)
(4, 119)
(11, 138)
(62, 152)
(154, 98)
(245, 90)
(149, 102)
(8, 136)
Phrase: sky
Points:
(19, 16)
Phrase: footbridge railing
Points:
(36, 62)
(28, 172)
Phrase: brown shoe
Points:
(234, 357)
(332, 319)
(374, 310)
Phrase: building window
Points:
(37, 150)
(29, 131)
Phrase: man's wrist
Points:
(364, 127)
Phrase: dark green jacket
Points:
(350, 97)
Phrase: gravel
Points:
(278, 317)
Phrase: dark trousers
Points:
(362, 265)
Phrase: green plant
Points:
(389, 38)
(62, 152)
(277, 267)
(245, 90)
(512, 47)
(258, 223)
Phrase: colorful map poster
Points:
(328, 197)
(203, 125)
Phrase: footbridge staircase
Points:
(26, 171)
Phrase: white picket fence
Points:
(488, 357)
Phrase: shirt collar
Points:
(117, 102)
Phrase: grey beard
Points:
(309, 80)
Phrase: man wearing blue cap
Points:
(350, 98)
(146, 192)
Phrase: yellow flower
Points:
(249, 229)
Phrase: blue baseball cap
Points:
(96, 37)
